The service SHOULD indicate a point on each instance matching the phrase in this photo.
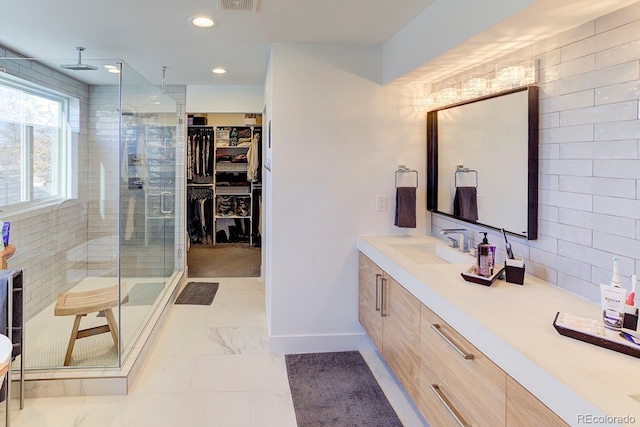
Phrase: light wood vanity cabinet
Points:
(470, 386)
(369, 314)
(401, 334)
(451, 381)
(391, 316)
(524, 409)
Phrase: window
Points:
(33, 145)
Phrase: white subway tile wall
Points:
(44, 238)
(589, 177)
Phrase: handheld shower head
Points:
(79, 66)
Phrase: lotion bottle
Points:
(484, 263)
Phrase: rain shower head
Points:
(79, 66)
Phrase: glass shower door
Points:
(148, 189)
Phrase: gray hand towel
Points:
(465, 203)
(405, 207)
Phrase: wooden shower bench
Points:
(82, 303)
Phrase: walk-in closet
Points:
(224, 194)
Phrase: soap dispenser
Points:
(484, 263)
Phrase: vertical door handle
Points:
(383, 299)
(378, 277)
(164, 196)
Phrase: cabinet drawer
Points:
(474, 382)
(524, 409)
(436, 402)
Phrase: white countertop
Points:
(513, 326)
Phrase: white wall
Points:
(440, 27)
(337, 139)
(224, 99)
(589, 181)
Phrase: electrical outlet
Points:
(381, 203)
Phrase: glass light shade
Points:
(474, 87)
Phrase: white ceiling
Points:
(148, 34)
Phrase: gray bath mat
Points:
(198, 293)
(337, 389)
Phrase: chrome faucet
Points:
(462, 242)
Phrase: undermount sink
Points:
(433, 253)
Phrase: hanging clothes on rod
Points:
(200, 214)
(200, 155)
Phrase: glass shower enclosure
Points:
(103, 249)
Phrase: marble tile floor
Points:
(210, 366)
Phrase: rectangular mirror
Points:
(482, 161)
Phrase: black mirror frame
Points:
(532, 175)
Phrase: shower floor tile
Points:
(47, 335)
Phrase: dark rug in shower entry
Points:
(337, 389)
(198, 293)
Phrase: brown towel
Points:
(406, 207)
(465, 203)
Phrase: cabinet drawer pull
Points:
(438, 329)
(436, 390)
(382, 297)
(378, 276)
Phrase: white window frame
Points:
(64, 174)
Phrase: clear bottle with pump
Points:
(485, 261)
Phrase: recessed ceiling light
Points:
(218, 70)
(203, 21)
(112, 69)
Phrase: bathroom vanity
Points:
(486, 355)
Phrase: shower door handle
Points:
(164, 196)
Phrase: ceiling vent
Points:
(243, 5)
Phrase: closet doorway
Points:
(224, 194)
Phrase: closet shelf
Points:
(233, 190)
(231, 167)
(210, 152)
(232, 147)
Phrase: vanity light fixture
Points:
(474, 86)
(505, 75)
(203, 21)
(218, 70)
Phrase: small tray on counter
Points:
(471, 276)
(593, 332)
